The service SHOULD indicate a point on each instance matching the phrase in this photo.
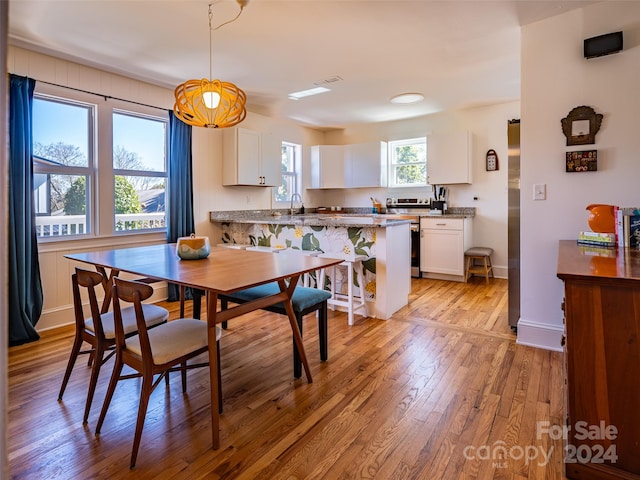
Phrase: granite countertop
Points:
(311, 219)
(337, 219)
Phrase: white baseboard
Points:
(500, 271)
(540, 335)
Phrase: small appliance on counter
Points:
(437, 207)
(439, 202)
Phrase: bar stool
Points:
(351, 262)
(305, 278)
(482, 254)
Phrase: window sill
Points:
(111, 241)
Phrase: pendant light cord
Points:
(210, 43)
(242, 4)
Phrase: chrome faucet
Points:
(293, 197)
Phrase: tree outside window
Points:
(408, 162)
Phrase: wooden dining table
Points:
(224, 271)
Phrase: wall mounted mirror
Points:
(581, 125)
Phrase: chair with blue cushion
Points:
(305, 300)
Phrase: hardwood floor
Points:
(440, 391)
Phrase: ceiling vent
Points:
(334, 79)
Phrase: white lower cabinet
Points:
(443, 242)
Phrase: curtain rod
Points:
(102, 95)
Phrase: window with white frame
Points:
(408, 162)
(63, 166)
(291, 166)
(87, 188)
(139, 171)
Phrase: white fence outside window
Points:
(62, 225)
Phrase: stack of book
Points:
(597, 239)
(628, 226)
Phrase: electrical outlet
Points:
(248, 199)
(540, 191)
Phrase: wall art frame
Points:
(581, 125)
(582, 161)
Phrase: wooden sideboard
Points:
(602, 358)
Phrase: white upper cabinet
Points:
(271, 160)
(449, 158)
(250, 158)
(327, 166)
(349, 166)
(366, 165)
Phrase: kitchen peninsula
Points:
(385, 241)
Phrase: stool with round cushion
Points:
(478, 260)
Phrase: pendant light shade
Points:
(211, 103)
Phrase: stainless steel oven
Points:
(415, 248)
(411, 208)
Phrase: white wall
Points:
(489, 127)
(555, 79)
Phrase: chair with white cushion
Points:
(99, 330)
(152, 352)
(352, 304)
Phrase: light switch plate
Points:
(540, 191)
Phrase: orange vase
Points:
(601, 218)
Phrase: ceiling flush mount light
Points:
(307, 93)
(211, 103)
(407, 98)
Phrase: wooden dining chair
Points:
(99, 330)
(152, 352)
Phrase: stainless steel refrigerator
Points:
(513, 223)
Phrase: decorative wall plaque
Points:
(581, 125)
(586, 161)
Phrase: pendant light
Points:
(211, 103)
